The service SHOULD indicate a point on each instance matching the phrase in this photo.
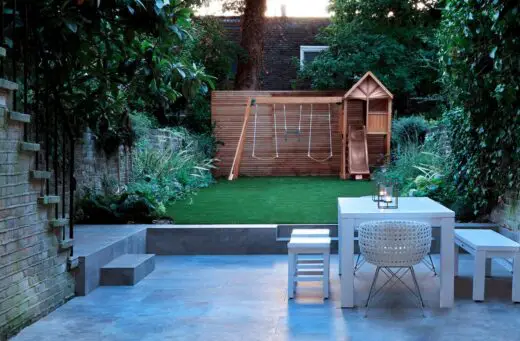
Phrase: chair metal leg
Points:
(359, 262)
(412, 271)
(394, 277)
(429, 264)
(433, 265)
(371, 290)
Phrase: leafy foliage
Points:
(174, 168)
(479, 54)
(211, 47)
(99, 60)
(113, 207)
(422, 168)
(393, 38)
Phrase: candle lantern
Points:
(386, 194)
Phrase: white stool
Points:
(310, 233)
(484, 245)
(308, 270)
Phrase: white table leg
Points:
(290, 274)
(339, 242)
(447, 263)
(516, 278)
(479, 276)
(488, 267)
(347, 262)
(326, 276)
(456, 259)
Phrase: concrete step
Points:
(56, 223)
(29, 147)
(66, 244)
(72, 263)
(49, 200)
(19, 117)
(127, 269)
(40, 175)
(8, 85)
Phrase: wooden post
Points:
(233, 174)
(389, 129)
(366, 118)
(343, 170)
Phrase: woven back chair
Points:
(394, 244)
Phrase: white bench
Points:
(484, 245)
(303, 269)
(310, 233)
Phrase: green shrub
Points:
(118, 207)
(424, 170)
(174, 169)
(409, 129)
(142, 123)
(161, 173)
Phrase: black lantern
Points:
(386, 194)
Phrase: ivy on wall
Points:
(481, 75)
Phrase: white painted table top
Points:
(364, 207)
(486, 240)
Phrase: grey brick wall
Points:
(33, 276)
(93, 165)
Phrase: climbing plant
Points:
(481, 75)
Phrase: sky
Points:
(294, 8)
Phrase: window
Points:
(308, 53)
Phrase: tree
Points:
(249, 68)
(102, 60)
(393, 38)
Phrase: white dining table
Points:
(353, 211)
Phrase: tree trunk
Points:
(248, 70)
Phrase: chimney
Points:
(284, 10)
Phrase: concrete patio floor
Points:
(226, 298)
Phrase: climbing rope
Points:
(275, 136)
(310, 140)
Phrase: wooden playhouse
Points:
(284, 133)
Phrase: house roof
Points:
(368, 87)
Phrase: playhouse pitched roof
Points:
(368, 87)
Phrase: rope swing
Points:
(275, 135)
(296, 131)
(310, 140)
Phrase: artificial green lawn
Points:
(268, 200)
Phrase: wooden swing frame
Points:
(359, 91)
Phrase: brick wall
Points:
(282, 41)
(283, 37)
(33, 275)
